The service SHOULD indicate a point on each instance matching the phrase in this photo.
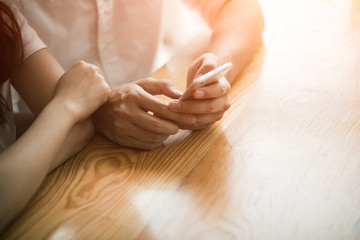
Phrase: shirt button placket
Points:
(106, 42)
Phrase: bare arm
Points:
(24, 164)
(77, 94)
(36, 80)
(237, 27)
(237, 34)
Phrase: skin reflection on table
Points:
(284, 163)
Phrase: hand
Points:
(134, 117)
(208, 103)
(82, 89)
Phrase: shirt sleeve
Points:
(31, 41)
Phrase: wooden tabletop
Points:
(284, 163)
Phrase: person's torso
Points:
(119, 36)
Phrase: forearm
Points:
(43, 71)
(22, 122)
(76, 140)
(60, 100)
(24, 164)
(237, 34)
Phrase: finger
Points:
(139, 117)
(215, 90)
(104, 87)
(168, 88)
(208, 64)
(156, 125)
(125, 132)
(204, 121)
(161, 109)
(95, 69)
(194, 67)
(195, 127)
(204, 64)
(201, 106)
(159, 86)
(90, 66)
(146, 136)
(145, 146)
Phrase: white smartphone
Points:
(206, 79)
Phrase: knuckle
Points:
(183, 119)
(211, 107)
(100, 80)
(209, 54)
(96, 69)
(168, 82)
(224, 89)
(130, 94)
(187, 119)
(92, 69)
(162, 109)
(143, 81)
(174, 130)
(157, 126)
(227, 104)
(219, 116)
(80, 63)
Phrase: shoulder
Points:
(31, 41)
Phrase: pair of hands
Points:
(134, 117)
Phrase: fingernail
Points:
(178, 92)
(199, 94)
(175, 105)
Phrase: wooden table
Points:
(284, 163)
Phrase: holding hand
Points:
(208, 103)
(82, 89)
(134, 117)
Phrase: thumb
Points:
(159, 86)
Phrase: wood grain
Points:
(284, 163)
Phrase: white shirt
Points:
(120, 36)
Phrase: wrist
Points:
(62, 110)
